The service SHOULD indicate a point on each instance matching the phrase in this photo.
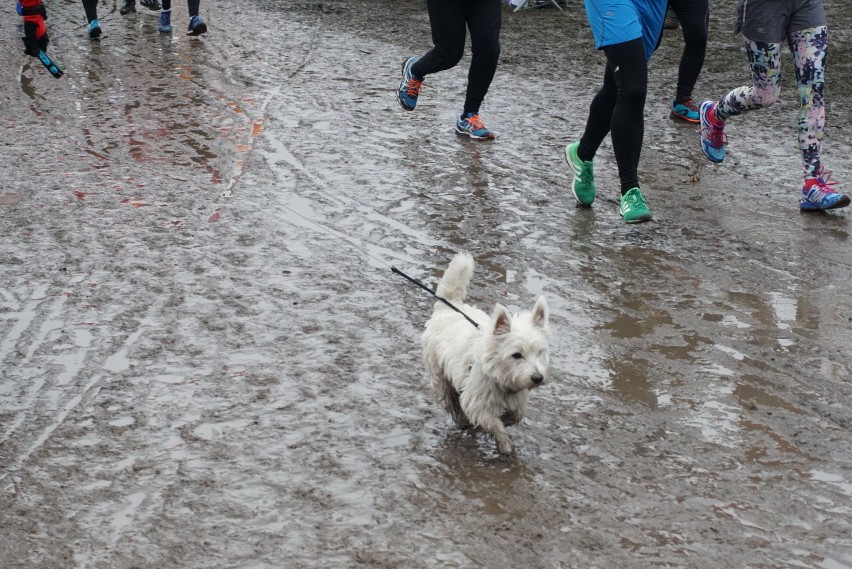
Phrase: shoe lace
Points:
(412, 89)
(476, 122)
(822, 182)
(587, 173)
(634, 200)
(715, 135)
(690, 104)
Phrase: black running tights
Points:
(617, 109)
(191, 4)
(91, 8)
(694, 18)
(449, 19)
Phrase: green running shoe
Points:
(583, 184)
(633, 207)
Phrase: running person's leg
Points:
(484, 18)
(807, 37)
(765, 61)
(94, 27)
(809, 49)
(483, 21)
(581, 153)
(599, 121)
(447, 18)
(764, 24)
(91, 8)
(627, 72)
(196, 24)
(165, 25)
(694, 18)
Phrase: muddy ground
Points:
(207, 362)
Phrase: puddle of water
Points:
(834, 480)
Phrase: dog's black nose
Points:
(537, 378)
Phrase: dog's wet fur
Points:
(483, 375)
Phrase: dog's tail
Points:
(453, 285)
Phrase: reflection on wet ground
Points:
(206, 360)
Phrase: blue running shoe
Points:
(713, 140)
(196, 26)
(409, 87)
(686, 110)
(817, 194)
(165, 26)
(472, 126)
(94, 29)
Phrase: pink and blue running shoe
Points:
(818, 195)
(713, 139)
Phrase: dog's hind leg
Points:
(454, 407)
(449, 397)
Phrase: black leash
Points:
(429, 290)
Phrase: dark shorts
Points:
(770, 21)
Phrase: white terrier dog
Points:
(483, 375)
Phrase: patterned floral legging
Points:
(808, 48)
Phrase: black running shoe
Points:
(151, 4)
(196, 26)
(129, 6)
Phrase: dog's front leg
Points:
(494, 425)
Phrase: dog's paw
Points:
(505, 445)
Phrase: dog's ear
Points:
(541, 313)
(502, 320)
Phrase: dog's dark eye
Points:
(518, 355)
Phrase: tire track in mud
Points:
(241, 123)
(75, 365)
(244, 150)
(282, 154)
(27, 317)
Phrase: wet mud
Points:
(207, 362)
